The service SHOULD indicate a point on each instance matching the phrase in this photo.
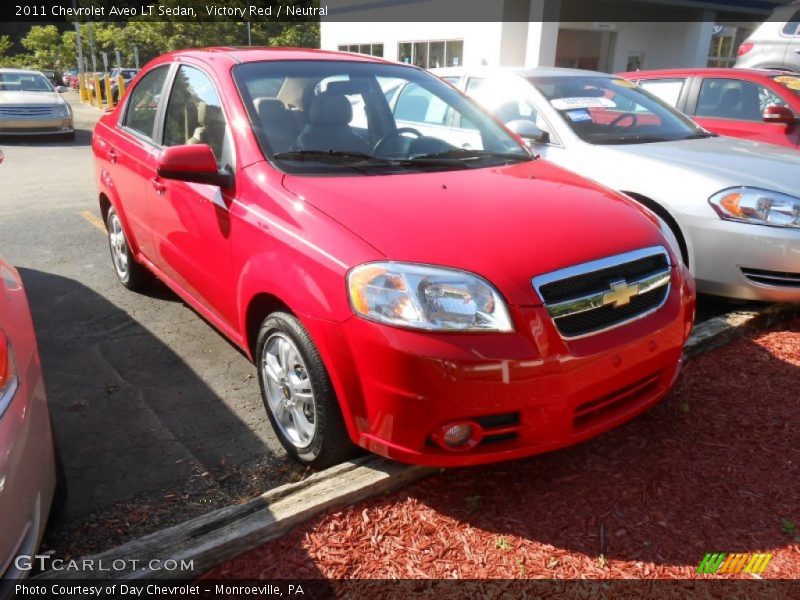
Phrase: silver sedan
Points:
(731, 204)
(30, 105)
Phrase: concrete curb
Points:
(224, 533)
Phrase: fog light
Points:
(458, 436)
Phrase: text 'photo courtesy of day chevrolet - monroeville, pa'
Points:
(398, 299)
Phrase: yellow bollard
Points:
(98, 97)
(120, 86)
(109, 99)
(81, 87)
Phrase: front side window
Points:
(734, 99)
(194, 113)
(140, 115)
(324, 116)
(604, 110)
(669, 90)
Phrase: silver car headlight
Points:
(64, 110)
(754, 205)
(425, 297)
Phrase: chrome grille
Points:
(30, 111)
(596, 296)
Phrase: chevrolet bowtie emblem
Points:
(621, 293)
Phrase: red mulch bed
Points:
(714, 468)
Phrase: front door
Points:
(190, 221)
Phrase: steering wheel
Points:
(391, 136)
(632, 116)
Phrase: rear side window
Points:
(194, 113)
(668, 90)
(792, 26)
(734, 99)
(140, 115)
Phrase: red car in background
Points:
(758, 105)
(441, 298)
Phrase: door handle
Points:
(112, 156)
(159, 187)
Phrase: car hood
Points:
(22, 98)
(695, 168)
(507, 224)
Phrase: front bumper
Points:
(726, 254)
(531, 391)
(56, 126)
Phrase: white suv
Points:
(776, 43)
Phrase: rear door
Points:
(735, 107)
(131, 154)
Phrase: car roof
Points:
(707, 72)
(248, 54)
(520, 71)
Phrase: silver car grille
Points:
(28, 112)
(600, 295)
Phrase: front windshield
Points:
(604, 110)
(331, 116)
(24, 82)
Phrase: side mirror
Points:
(61, 89)
(193, 163)
(528, 131)
(779, 114)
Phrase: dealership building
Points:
(622, 35)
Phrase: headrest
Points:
(330, 109)
(270, 109)
(208, 115)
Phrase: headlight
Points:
(64, 110)
(753, 205)
(425, 297)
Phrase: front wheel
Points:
(298, 394)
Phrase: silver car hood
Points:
(28, 98)
(684, 174)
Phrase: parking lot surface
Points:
(158, 418)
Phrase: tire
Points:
(130, 273)
(298, 396)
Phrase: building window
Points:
(724, 45)
(432, 54)
(369, 49)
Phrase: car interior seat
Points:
(210, 128)
(730, 104)
(278, 124)
(328, 126)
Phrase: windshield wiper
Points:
(332, 154)
(470, 154)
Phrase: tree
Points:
(5, 45)
(44, 43)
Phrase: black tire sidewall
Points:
(320, 383)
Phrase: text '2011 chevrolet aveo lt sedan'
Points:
(442, 299)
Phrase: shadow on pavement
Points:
(131, 416)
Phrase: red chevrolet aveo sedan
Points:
(436, 295)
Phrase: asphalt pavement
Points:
(157, 417)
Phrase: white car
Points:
(30, 105)
(732, 204)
